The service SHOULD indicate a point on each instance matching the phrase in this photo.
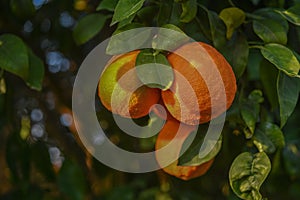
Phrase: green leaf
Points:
(164, 12)
(282, 57)
(191, 156)
(88, 27)
(107, 5)
(254, 62)
(14, 55)
(169, 37)
(271, 14)
(126, 21)
(268, 137)
(292, 14)
(233, 17)
(154, 70)
(36, 71)
(122, 42)
(126, 8)
(210, 20)
(250, 109)
(270, 31)
(247, 173)
(236, 51)
(189, 11)
(288, 93)
(71, 181)
(268, 75)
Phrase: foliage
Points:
(42, 44)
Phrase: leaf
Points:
(271, 14)
(107, 5)
(250, 109)
(164, 12)
(189, 11)
(268, 137)
(13, 55)
(212, 22)
(254, 62)
(236, 51)
(71, 181)
(169, 37)
(233, 17)
(247, 173)
(128, 38)
(88, 27)
(126, 21)
(268, 75)
(270, 31)
(292, 14)
(282, 57)
(288, 93)
(191, 156)
(36, 71)
(126, 8)
(154, 70)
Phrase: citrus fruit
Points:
(127, 97)
(215, 78)
(166, 135)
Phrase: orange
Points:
(139, 97)
(202, 57)
(166, 135)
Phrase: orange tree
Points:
(42, 44)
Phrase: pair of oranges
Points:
(198, 57)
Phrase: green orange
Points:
(139, 101)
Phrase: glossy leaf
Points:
(272, 14)
(270, 31)
(126, 8)
(268, 137)
(154, 70)
(169, 37)
(233, 17)
(71, 181)
(88, 27)
(107, 5)
(189, 11)
(282, 57)
(247, 174)
(14, 55)
(191, 156)
(122, 42)
(217, 29)
(250, 109)
(288, 93)
(236, 51)
(292, 14)
(36, 71)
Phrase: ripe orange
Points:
(140, 100)
(202, 57)
(166, 135)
